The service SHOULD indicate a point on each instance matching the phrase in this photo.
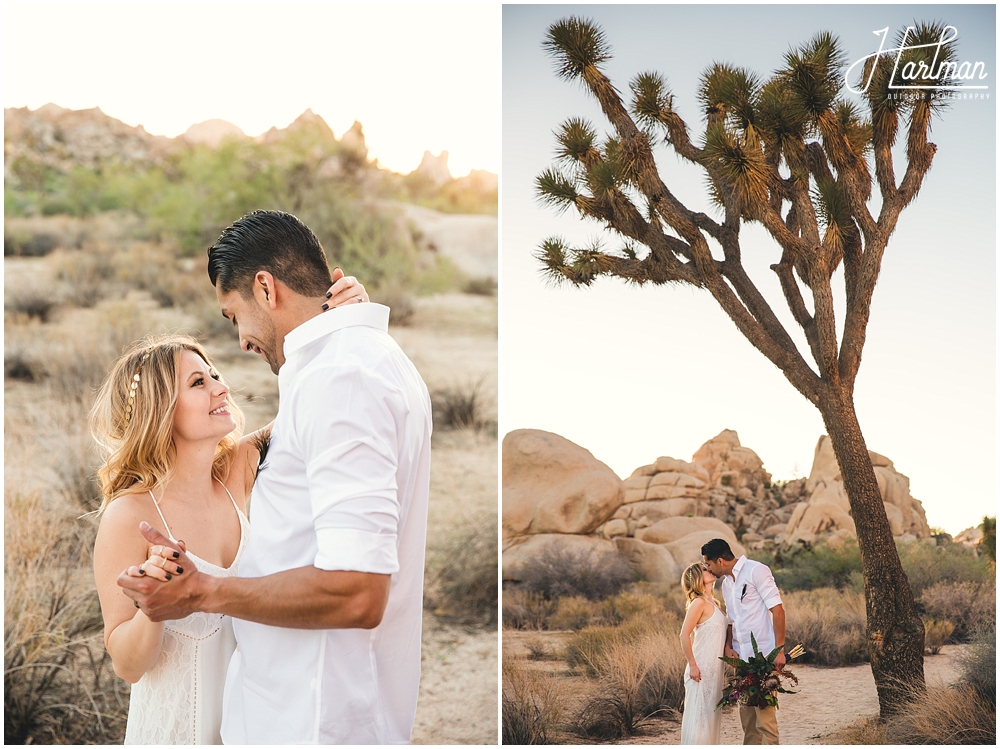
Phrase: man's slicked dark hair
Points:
(717, 548)
(273, 241)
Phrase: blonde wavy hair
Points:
(693, 584)
(138, 452)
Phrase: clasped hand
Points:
(164, 586)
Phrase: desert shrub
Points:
(462, 406)
(936, 633)
(978, 664)
(557, 572)
(58, 686)
(484, 286)
(926, 565)
(523, 609)
(988, 544)
(18, 365)
(31, 301)
(821, 566)
(588, 647)
(575, 612)
(87, 275)
(830, 625)
(969, 606)
(530, 707)
(466, 580)
(401, 305)
(536, 649)
(639, 671)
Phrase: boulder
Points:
(653, 561)
(673, 529)
(551, 485)
(525, 548)
(655, 510)
(687, 549)
(816, 519)
(615, 527)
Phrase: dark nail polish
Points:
(142, 571)
(329, 294)
(169, 576)
(176, 554)
(326, 306)
(180, 570)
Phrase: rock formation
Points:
(434, 168)
(212, 132)
(827, 509)
(557, 493)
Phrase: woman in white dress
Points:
(173, 458)
(703, 638)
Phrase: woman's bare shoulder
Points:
(120, 519)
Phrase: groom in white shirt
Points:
(753, 605)
(328, 603)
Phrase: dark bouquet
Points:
(757, 682)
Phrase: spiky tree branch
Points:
(790, 140)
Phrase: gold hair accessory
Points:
(130, 407)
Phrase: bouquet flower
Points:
(757, 682)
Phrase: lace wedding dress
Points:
(700, 723)
(179, 700)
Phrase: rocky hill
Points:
(59, 139)
(555, 493)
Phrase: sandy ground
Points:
(828, 699)
(458, 685)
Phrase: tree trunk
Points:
(895, 632)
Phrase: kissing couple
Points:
(754, 612)
(307, 629)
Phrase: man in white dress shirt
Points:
(753, 605)
(328, 603)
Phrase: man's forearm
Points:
(303, 598)
(778, 619)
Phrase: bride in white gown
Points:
(703, 638)
(173, 458)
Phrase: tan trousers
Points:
(760, 725)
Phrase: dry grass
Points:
(530, 708)
(523, 609)
(639, 670)
(463, 406)
(58, 685)
(830, 624)
(936, 633)
(944, 715)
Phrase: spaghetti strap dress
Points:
(179, 700)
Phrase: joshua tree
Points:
(795, 156)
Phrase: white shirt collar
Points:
(367, 314)
(738, 567)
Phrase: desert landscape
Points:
(83, 280)
(592, 602)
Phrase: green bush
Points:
(823, 566)
(978, 665)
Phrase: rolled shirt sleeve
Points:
(349, 448)
(763, 580)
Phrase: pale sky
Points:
(417, 77)
(632, 374)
